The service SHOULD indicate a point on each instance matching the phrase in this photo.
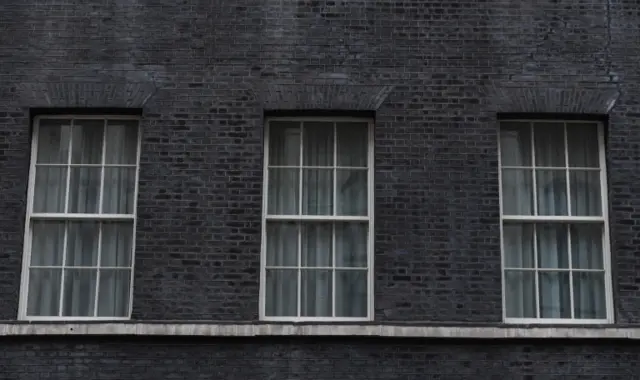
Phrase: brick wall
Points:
(436, 71)
(321, 359)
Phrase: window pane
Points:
(520, 297)
(50, 189)
(282, 244)
(122, 142)
(351, 293)
(553, 243)
(352, 144)
(44, 292)
(549, 144)
(281, 298)
(117, 244)
(351, 244)
(84, 190)
(588, 295)
(317, 192)
(517, 192)
(586, 246)
(114, 293)
(518, 245)
(87, 142)
(515, 144)
(79, 292)
(583, 145)
(53, 141)
(551, 192)
(318, 144)
(284, 143)
(351, 192)
(47, 243)
(284, 188)
(317, 245)
(555, 301)
(316, 295)
(119, 189)
(585, 193)
(82, 244)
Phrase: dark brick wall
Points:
(437, 71)
(319, 359)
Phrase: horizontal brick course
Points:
(344, 358)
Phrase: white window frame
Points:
(602, 220)
(370, 219)
(30, 216)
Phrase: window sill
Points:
(289, 329)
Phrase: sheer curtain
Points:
(69, 277)
(315, 268)
(563, 249)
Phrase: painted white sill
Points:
(253, 330)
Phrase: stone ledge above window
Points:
(332, 96)
(552, 100)
(86, 94)
(255, 330)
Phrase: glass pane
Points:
(50, 189)
(585, 193)
(82, 244)
(44, 292)
(352, 144)
(588, 295)
(122, 142)
(284, 143)
(583, 145)
(117, 244)
(551, 192)
(84, 190)
(351, 244)
(586, 246)
(86, 147)
(553, 243)
(555, 300)
(317, 245)
(515, 144)
(351, 293)
(518, 245)
(119, 189)
(549, 144)
(317, 192)
(318, 144)
(113, 300)
(47, 243)
(517, 192)
(284, 188)
(351, 192)
(79, 292)
(282, 244)
(281, 299)
(520, 297)
(316, 296)
(53, 141)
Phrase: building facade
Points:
(278, 189)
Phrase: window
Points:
(80, 229)
(317, 245)
(555, 237)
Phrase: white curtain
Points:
(73, 276)
(320, 263)
(553, 271)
